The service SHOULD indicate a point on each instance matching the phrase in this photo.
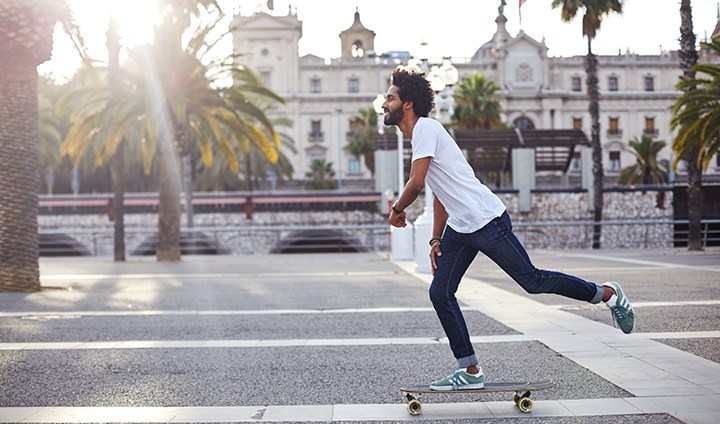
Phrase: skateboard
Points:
(521, 393)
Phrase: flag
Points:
(270, 4)
(522, 2)
(520, 10)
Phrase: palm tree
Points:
(689, 147)
(647, 169)
(594, 11)
(321, 175)
(22, 51)
(363, 143)
(478, 108)
(165, 116)
(476, 105)
(255, 167)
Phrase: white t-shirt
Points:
(469, 203)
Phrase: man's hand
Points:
(397, 219)
(434, 252)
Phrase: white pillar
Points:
(401, 239)
(423, 234)
(523, 169)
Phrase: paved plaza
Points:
(332, 338)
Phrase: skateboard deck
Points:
(521, 393)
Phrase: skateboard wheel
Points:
(525, 404)
(415, 407)
(516, 398)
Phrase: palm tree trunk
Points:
(248, 172)
(169, 189)
(117, 165)
(688, 59)
(187, 177)
(591, 64)
(117, 172)
(695, 202)
(19, 177)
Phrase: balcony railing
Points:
(316, 136)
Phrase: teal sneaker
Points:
(460, 380)
(622, 312)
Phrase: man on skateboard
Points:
(469, 218)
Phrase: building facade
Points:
(323, 95)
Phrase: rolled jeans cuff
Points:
(598, 295)
(467, 361)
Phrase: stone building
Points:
(537, 91)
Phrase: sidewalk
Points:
(207, 339)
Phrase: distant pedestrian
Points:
(469, 218)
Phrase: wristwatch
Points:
(395, 209)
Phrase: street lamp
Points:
(401, 239)
(339, 155)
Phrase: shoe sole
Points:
(452, 389)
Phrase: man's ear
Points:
(407, 105)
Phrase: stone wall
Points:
(563, 215)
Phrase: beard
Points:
(394, 116)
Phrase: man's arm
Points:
(415, 185)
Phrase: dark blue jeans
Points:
(496, 241)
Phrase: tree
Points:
(254, 167)
(594, 11)
(688, 144)
(321, 175)
(476, 105)
(647, 169)
(363, 143)
(478, 108)
(191, 103)
(22, 50)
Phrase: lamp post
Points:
(442, 78)
(339, 155)
(401, 239)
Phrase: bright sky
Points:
(454, 28)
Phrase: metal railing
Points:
(372, 237)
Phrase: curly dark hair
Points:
(414, 87)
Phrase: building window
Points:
(650, 127)
(353, 166)
(316, 156)
(576, 84)
(357, 49)
(316, 133)
(266, 78)
(315, 85)
(577, 123)
(353, 85)
(575, 162)
(523, 123)
(649, 83)
(613, 83)
(614, 127)
(614, 161)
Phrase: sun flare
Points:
(135, 20)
